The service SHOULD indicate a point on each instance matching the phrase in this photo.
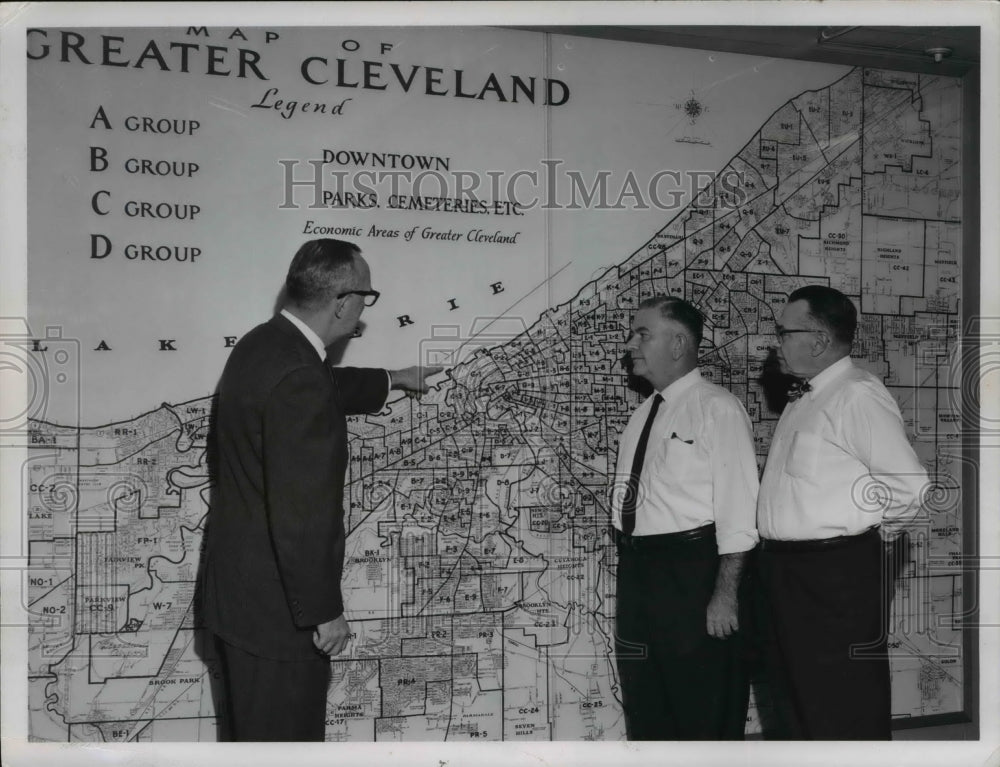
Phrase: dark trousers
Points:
(270, 699)
(677, 682)
(828, 608)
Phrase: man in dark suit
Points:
(276, 538)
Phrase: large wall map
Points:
(479, 576)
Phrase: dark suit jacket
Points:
(275, 537)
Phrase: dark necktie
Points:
(632, 492)
(328, 364)
(797, 389)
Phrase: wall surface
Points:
(517, 194)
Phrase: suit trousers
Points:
(677, 682)
(273, 700)
(827, 603)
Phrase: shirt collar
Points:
(682, 384)
(308, 332)
(826, 375)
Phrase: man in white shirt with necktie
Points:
(840, 477)
(683, 516)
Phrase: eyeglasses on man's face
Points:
(370, 296)
(782, 333)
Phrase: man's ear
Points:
(339, 305)
(680, 345)
(821, 343)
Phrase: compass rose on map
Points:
(692, 110)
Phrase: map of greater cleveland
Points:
(480, 576)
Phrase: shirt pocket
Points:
(804, 455)
(680, 457)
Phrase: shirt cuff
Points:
(735, 543)
(388, 388)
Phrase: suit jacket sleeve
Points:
(301, 489)
(362, 390)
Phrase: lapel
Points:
(295, 336)
(282, 324)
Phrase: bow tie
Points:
(797, 389)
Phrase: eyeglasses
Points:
(782, 333)
(370, 296)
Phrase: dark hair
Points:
(320, 270)
(831, 309)
(679, 310)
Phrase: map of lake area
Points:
(479, 575)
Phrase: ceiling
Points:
(902, 48)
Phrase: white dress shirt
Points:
(839, 462)
(699, 466)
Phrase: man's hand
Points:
(331, 637)
(413, 380)
(722, 616)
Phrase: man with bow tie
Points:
(275, 535)
(683, 519)
(840, 477)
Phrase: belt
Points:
(664, 540)
(815, 544)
